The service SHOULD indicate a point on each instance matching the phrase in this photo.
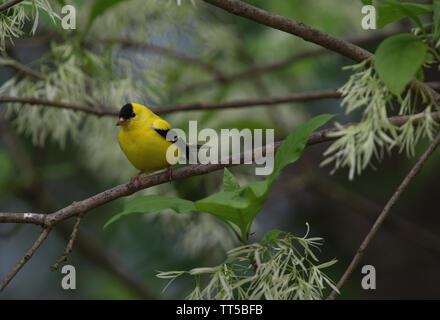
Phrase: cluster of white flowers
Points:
(13, 19)
(374, 135)
(283, 268)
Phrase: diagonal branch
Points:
(402, 187)
(69, 246)
(25, 258)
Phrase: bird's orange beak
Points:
(122, 122)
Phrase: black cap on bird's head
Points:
(125, 114)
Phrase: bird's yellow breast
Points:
(143, 146)
(145, 150)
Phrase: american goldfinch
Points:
(143, 139)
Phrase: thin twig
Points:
(9, 4)
(42, 102)
(25, 258)
(24, 69)
(360, 252)
(69, 246)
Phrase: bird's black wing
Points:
(183, 145)
(164, 133)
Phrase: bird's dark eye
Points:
(127, 112)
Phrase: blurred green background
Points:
(79, 160)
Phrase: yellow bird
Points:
(143, 139)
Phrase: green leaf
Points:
(291, 149)
(229, 181)
(152, 204)
(395, 11)
(270, 236)
(436, 7)
(241, 205)
(367, 2)
(397, 60)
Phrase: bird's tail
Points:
(191, 149)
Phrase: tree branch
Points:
(402, 187)
(32, 218)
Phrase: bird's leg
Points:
(170, 173)
(136, 178)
